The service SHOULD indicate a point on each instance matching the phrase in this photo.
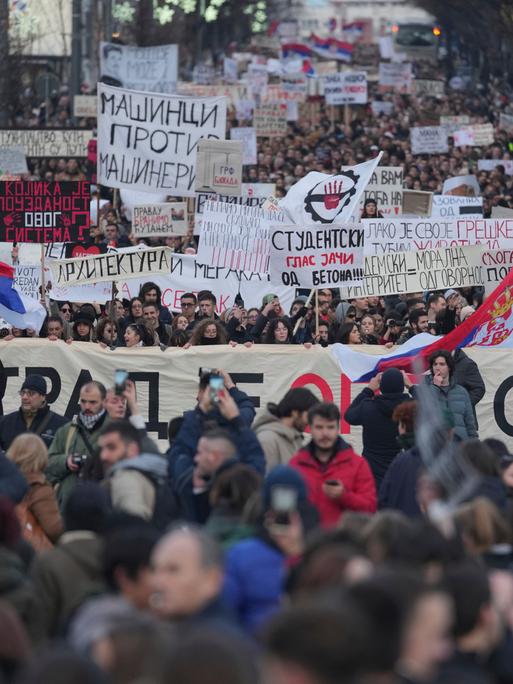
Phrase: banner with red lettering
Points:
(37, 211)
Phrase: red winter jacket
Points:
(352, 470)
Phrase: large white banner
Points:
(395, 235)
(148, 141)
(398, 273)
(167, 382)
(152, 69)
(345, 87)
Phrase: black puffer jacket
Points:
(374, 414)
(13, 424)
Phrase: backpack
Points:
(31, 530)
(166, 504)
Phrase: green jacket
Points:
(69, 440)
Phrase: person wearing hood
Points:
(133, 478)
(374, 413)
(279, 429)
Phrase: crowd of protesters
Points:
(250, 552)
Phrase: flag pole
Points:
(300, 320)
(43, 284)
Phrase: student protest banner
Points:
(39, 211)
(236, 236)
(417, 202)
(219, 166)
(148, 141)
(477, 135)
(13, 160)
(167, 382)
(153, 69)
(395, 235)
(454, 206)
(270, 120)
(386, 187)
(294, 87)
(430, 88)
(506, 122)
(85, 106)
(317, 256)
(120, 265)
(249, 142)
(160, 220)
(395, 76)
(428, 140)
(48, 142)
(399, 273)
(252, 195)
(491, 164)
(345, 87)
(27, 280)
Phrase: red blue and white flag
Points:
(331, 48)
(18, 310)
(293, 49)
(490, 326)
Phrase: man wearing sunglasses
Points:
(34, 414)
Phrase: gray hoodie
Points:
(133, 483)
(278, 441)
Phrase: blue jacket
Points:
(195, 507)
(193, 426)
(254, 577)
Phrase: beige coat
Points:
(278, 441)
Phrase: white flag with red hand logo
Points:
(321, 198)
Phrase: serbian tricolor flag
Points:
(354, 30)
(293, 49)
(331, 48)
(490, 326)
(18, 310)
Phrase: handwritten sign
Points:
(345, 87)
(219, 166)
(160, 220)
(47, 142)
(270, 120)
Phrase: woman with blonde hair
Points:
(38, 512)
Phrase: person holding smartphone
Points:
(337, 478)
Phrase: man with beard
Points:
(74, 450)
(34, 414)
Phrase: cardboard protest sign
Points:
(244, 110)
(393, 235)
(13, 160)
(27, 280)
(160, 220)
(252, 195)
(48, 142)
(506, 122)
(249, 142)
(317, 256)
(452, 206)
(345, 87)
(85, 106)
(378, 107)
(294, 87)
(112, 266)
(428, 140)
(321, 198)
(386, 187)
(397, 273)
(491, 164)
(270, 120)
(497, 264)
(395, 76)
(219, 166)
(477, 135)
(236, 236)
(502, 212)
(234, 94)
(463, 186)
(431, 88)
(460, 120)
(417, 202)
(153, 69)
(37, 211)
(148, 141)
